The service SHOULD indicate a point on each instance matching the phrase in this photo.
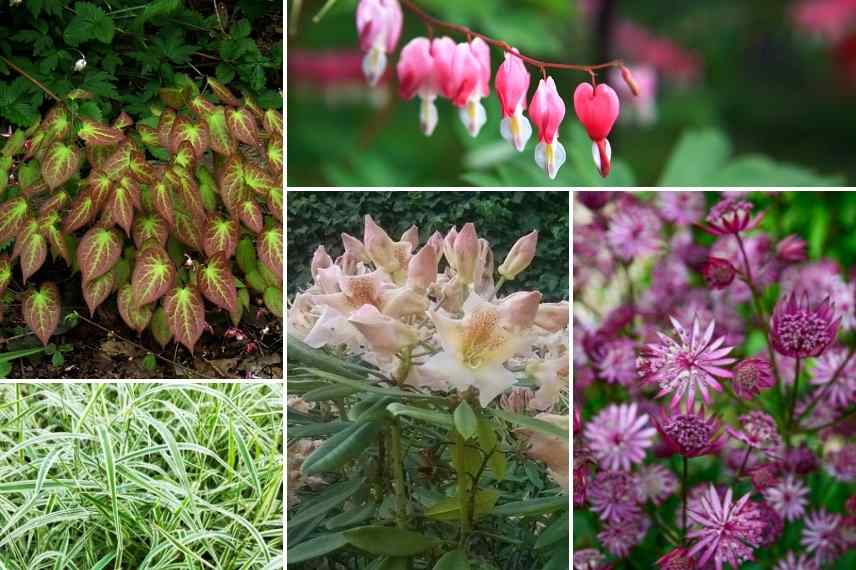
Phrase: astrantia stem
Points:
(744, 462)
(793, 407)
(684, 493)
(822, 391)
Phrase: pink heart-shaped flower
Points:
(597, 109)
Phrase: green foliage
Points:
(502, 217)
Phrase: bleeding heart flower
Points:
(464, 77)
(416, 76)
(379, 27)
(597, 109)
(547, 111)
(512, 84)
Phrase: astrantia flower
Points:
(656, 483)
(619, 536)
(614, 495)
(682, 208)
(758, 431)
(822, 537)
(794, 562)
(752, 375)
(718, 273)
(690, 433)
(788, 498)
(634, 232)
(843, 391)
(731, 216)
(841, 464)
(693, 362)
(617, 361)
(791, 249)
(772, 521)
(800, 331)
(801, 460)
(766, 475)
(729, 531)
(677, 559)
(618, 436)
(589, 559)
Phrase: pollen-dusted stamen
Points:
(799, 330)
(481, 335)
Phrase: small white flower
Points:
(14, 3)
(80, 64)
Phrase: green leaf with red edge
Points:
(201, 106)
(172, 96)
(232, 188)
(41, 308)
(148, 135)
(12, 215)
(121, 207)
(5, 273)
(149, 226)
(184, 157)
(30, 225)
(220, 235)
(217, 283)
(96, 291)
(34, 251)
(153, 275)
(251, 216)
(50, 229)
(242, 125)
(164, 202)
(258, 180)
(223, 93)
(220, 138)
(253, 107)
(274, 203)
(159, 326)
(119, 163)
(98, 251)
(274, 155)
(99, 185)
(98, 134)
(272, 123)
(60, 163)
(55, 203)
(97, 155)
(81, 212)
(270, 250)
(187, 230)
(273, 300)
(141, 170)
(136, 317)
(167, 118)
(57, 123)
(123, 121)
(185, 313)
(183, 129)
(188, 197)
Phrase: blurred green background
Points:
(748, 93)
(319, 218)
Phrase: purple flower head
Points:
(773, 523)
(634, 232)
(718, 273)
(677, 559)
(589, 559)
(788, 498)
(619, 536)
(758, 431)
(614, 495)
(794, 562)
(823, 279)
(791, 249)
(618, 436)
(799, 330)
(752, 375)
(801, 460)
(656, 483)
(682, 208)
(731, 216)
(841, 463)
(594, 200)
(617, 362)
(693, 362)
(690, 433)
(728, 531)
(822, 537)
(843, 391)
(765, 475)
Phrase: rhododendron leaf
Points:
(98, 251)
(222, 92)
(97, 134)
(217, 283)
(136, 317)
(60, 163)
(82, 212)
(273, 300)
(187, 230)
(272, 123)
(12, 216)
(97, 290)
(388, 541)
(274, 203)
(164, 202)
(149, 226)
(243, 126)
(153, 275)
(185, 314)
(121, 207)
(220, 138)
(165, 123)
(270, 250)
(41, 308)
(220, 236)
(5, 273)
(251, 216)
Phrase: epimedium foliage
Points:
(161, 212)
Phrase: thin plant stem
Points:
(789, 425)
(744, 462)
(398, 475)
(31, 79)
(684, 493)
(822, 391)
(834, 422)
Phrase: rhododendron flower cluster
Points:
(700, 297)
(432, 67)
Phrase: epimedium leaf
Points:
(187, 194)
(201, 106)
(217, 283)
(242, 125)
(98, 251)
(185, 312)
(41, 308)
(223, 93)
(123, 121)
(159, 326)
(55, 203)
(164, 202)
(274, 155)
(149, 227)
(121, 207)
(99, 185)
(185, 130)
(220, 138)
(5, 273)
(60, 163)
(12, 215)
(98, 134)
(187, 230)
(272, 123)
(136, 317)
(49, 225)
(81, 212)
(258, 180)
(97, 290)
(270, 250)
(232, 187)
(167, 118)
(274, 203)
(33, 252)
(220, 235)
(153, 275)
(251, 215)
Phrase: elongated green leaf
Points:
(454, 560)
(533, 507)
(98, 251)
(5, 273)
(466, 421)
(315, 548)
(185, 314)
(431, 416)
(273, 300)
(533, 424)
(388, 541)
(112, 487)
(271, 250)
(223, 93)
(248, 461)
(42, 310)
(53, 518)
(341, 448)
(332, 498)
(220, 138)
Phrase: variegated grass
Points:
(141, 476)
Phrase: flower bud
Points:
(320, 260)
(520, 256)
(379, 27)
(791, 249)
(435, 242)
(80, 64)
(553, 316)
(378, 245)
(466, 250)
(355, 247)
(449, 247)
(718, 272)
(512, 85)
(411, 236)
(422, 269)
(628, 79)
(547, 111)
(517, 311)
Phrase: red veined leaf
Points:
(139, 167)
(136, 317)
(57, 123)
(149, 135)
(12, 215)
(275, 203)
(98, 155)
(220, 236)
(270, 250)
(121, 207)
(97, 290)
(272, 123)
(183, 129)
(258, 180)
(172, 96)
(97, 134)
(49, 225)
(222, 92)
(123, 121)
(55, 203)
(5, 273)
(36, 142)
(98, 251)
(251, 215)
(29, 226)
(32, 247)
(242, 125)
(232, 188)
(184, 156)
(167, 118)
(253, 107)
(99, 188)
(159, 326)
(274, 155)
(217, 283)
(149, 226)
(164, 202)
(187, 194)
(133, 188)
(41, 309)
(187, 230)
(60, 164)
(220, 138)
(153, 275)
(185, 313)
(119, 163)
(82, 212)
(201, 106)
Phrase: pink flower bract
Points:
(618, 436)
(729, 530)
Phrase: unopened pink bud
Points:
(467, 253)
(520, 256)
(718, 272)
(354, 247)
(320, 260)
(435, 242)
(553, 316)
(411, 236)
(628, 79)
(547, 111)
(379, 27)
(422, 270)
(512, 85)
(517, 311)
(449, 247)
(791, 249)
(379, 247)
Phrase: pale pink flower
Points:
(796, 562)
(800, 330)
(519, 256)
(464, 76)
(597, 109)
(843, 391)
(589, 559)
(682, 208)
(547, 109)
(841, 463)
(728, 531)
(634, 232)
(614, 495)
(656, 483)
(758, 431)
(416, 77)
(618, 436)
(512, 85)
(822, 536)
(379, 27)
(788, 497)
(619, 536)
(731, 216)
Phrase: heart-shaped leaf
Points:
(153, 275)
(217, 283)
(185, 313)
(41, 309)
(98, 251)
(60, 163)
